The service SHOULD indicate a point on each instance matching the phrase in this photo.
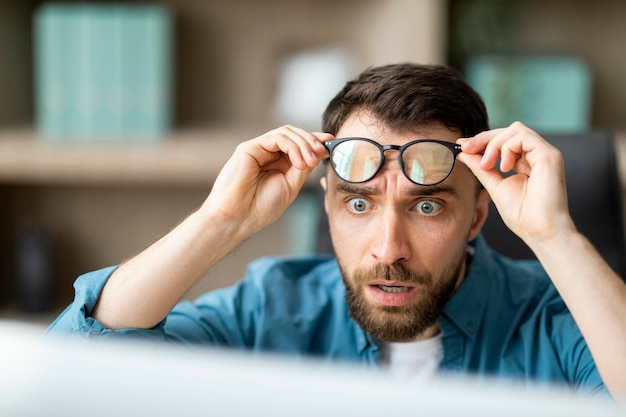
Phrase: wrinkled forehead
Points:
(363, 124)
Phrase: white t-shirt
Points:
(413, 359)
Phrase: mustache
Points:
(394, 272)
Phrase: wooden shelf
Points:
(190, 158)
(186, 158)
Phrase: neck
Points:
(432, 331)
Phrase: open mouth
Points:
(391, 295)
(392, 289)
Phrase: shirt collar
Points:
(466, 308)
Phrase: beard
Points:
(401, 323)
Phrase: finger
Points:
(478, 144)
(310, 148)
(504, 144)
(489, 178)
(482, 144)
(524, 148)
(296, 178)
(303, 140)
(501, 147)
(269, 148)
(315, 140)
(511, 152)
(280, 144)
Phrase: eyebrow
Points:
(361, 189)
(418, 191)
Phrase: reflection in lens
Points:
(427, 162)
(356, 160)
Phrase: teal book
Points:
(103, 71)
(103, 106)
(52, 99)
(72, 52)
(145, 71)
(551, 94)
(557, 94)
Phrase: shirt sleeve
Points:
(221, 317)
(576, 359)
(278, 306)
(76, 321)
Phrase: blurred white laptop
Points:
(41, 377)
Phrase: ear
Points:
(480, 213)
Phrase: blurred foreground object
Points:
(73, 378)
(103, 71)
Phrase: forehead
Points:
(363, 124)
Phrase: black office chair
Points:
(594, 195)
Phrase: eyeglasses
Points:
(423, 161)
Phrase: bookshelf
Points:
(188, 158)
(100, 203)
(104, 202)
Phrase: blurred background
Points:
(116, 117)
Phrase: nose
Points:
(391, 241)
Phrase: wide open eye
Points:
(429, 207)
(358, 205)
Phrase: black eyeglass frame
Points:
(332, 143)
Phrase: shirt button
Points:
(470, 327)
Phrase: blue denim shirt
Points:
(506, 319)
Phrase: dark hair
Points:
(405, 96)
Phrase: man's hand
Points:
(532, 201)
(533, 204)
(264, 176)
(259, 181)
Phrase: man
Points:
(414, 286)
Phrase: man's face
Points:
(401, 247)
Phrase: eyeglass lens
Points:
(424, 163)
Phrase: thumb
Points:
(296, 178)
(489, 178)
